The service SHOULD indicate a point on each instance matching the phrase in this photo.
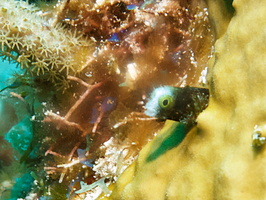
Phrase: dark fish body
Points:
(179, 104)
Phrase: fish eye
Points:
(166, 101)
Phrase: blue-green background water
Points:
(13, 132)
(7, 115)
(6, 70)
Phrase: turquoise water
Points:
(6, 70)
(7, 112)
(12, 134)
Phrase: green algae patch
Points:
(175, 134)
(216, 159)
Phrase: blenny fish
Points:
(176, 103)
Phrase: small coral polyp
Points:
(4, 39)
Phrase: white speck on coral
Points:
(33, 117)
(132, 70)
(203, 77)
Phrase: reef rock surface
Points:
(216, 160)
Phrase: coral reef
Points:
(223, 157)
(43, 49)
(84, 72)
